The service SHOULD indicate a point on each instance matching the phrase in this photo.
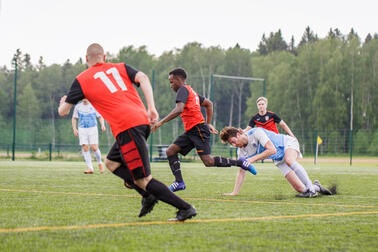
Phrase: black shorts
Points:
(131, 149)
(198, 136)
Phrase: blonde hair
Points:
(262, 98)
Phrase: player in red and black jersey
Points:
(267, 119)
(109, 87)
(197, 132)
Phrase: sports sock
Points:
(317, 188)
(161, 191)
(174, 163)
(98, 156)
(124, 174)
(303, 176)
(88, 159)
(225, 162)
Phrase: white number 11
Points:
(108, 83)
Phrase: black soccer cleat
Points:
(183, 214)
(148, 204)
(323, 190)
(307, 194)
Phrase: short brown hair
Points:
(228, 132)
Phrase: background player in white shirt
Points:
(259, 144)
(87, 132)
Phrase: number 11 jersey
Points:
(109, 88)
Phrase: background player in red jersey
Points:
(197, 132)
(109, 87)
(267, 119)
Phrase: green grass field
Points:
(53, 206)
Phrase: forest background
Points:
(319, 86)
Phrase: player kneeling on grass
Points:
(259, 144)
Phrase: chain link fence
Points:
(54, 139)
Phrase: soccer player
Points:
(87, 132)
(267, 119)
(259, 144)
(109, 88)
(197, 132)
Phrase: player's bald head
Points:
(95, 53)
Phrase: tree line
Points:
(316, 84)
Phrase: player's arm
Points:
(145, 85)
(64, 107)
(251, 124)
(102, 123)
(263, 139)
(173, 114)
(240, 175)
(67, 101)
(181, 99)
(74, 126)
(269, 150)
(246, 129)
(286, 128)
(209, 113)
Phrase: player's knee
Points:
(111, 165)
(170, 151)
(289, 160)
(85, 147)
(143, 182)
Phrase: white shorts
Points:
(88, 135)
(289, 143)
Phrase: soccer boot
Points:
(323, 190)
(307, 194)
(183, 214)
(148, 204)
(177, 186)
(248, 166)
(88, 172)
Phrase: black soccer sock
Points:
(225, 162)
(124, 174)
(174, 163)
(161, 191)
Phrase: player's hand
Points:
(103, 128)
(155, 126)
(76, 133)
(213, 130)
(153, 115)
(63, 99)
(229, 194)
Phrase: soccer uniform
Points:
(257, 139)
(267, 121)
(86, 114)
(109, 87)
(197, 132)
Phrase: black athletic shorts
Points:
(198, 136)
(131, 149)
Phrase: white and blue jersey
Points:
(257, 139)
(86, 114)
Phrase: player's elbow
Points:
(273, 151)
